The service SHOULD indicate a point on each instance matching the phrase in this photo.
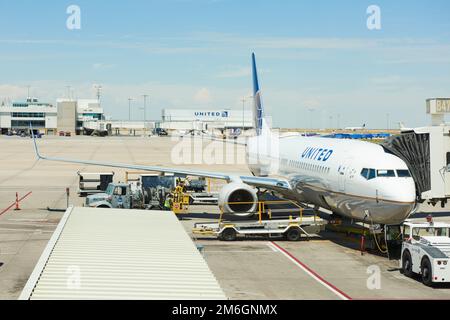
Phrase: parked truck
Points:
(426, 251)
(149, 192)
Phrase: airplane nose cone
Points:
(398, 190)
(405, 191)
(401, 198)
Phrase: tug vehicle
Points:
(426, 251)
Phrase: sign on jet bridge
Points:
(435, 106)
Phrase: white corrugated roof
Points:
(121, 254)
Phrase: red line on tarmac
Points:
(313, 274)
(14, 203)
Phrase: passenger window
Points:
(386, 173)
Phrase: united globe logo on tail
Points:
(259, 113)
(258, 109)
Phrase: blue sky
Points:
(318, 61)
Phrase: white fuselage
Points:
(352, 178)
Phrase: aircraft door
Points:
(342, 175)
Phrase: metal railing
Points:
(262, 209)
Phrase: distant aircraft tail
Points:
(258, 111)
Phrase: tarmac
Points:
(328, 266)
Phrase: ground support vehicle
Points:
(426, 250)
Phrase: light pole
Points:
(145, 111)
(129, 108)
(98, 89)
(145, 107)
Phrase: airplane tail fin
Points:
(258, 111)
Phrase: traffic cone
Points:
(17, 202)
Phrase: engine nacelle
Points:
(239, 199)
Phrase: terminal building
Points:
(69, 115)
(202, 119)
(86, 116)
(19, 115)
(74, 114)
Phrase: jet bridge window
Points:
(368, 174)
(386, 173)
(448, 161)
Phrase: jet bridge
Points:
(426, 151)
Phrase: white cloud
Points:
(203, 96)
(235, 72)
(12, 92)
(387, 80)
(98, 66)
(311, 104)
(239, 72)
(387, 50)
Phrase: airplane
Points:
(356, 128)
(354, 179)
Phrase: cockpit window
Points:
(403, 174)
(368, 174)
(365, 172)
(385, 173)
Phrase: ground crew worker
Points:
(167, 202)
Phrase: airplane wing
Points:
(212, 138)
(263, 182)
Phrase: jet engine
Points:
(239, 199)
